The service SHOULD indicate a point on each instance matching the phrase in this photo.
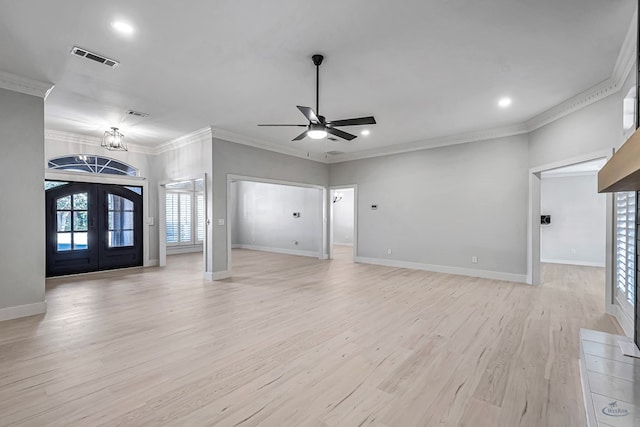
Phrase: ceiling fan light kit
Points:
(319, 127)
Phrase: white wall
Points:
(22, 253)
(264, 218)
(576, 234)
(439, 207)
(343, 212)
(235, 159)
(190, 159)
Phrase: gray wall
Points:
(443, 206)
(343, 213)
(264, 218)
(576, 234)
(592, 129)
(22, 253)
(236, 159)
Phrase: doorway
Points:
(573, 216)
(92, 227)
(343, 220)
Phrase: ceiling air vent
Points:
(136, 113)
(335, 152)
(94, 57)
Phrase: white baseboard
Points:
(177, 250)
(217, 275)
(23, 310)
(495, 275)
(280, 251)
(343, 244)
(236, 246)
(152, 263)
(572, 262)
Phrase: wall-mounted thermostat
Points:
(545, 219)
(296, 214)
(374, 207)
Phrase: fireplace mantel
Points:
(622, 171)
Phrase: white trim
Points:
(70, 176)
(533, 219)
(184, 249)
(427, 144)
(573, 262)
(233, 177)
(88, 140)
(290, 150)
(216, 275)
(310, 254)
(204, 134)
(153, 263)
(551, 174)
(25, 85)
(484, 274)
(329, 253)
(19, 311)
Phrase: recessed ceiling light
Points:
(122, 27)
(504, 102)
(365, 132)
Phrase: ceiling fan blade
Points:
(354, 122)
(302, 126)
(309, 114)
(301, 136)
(340, 134)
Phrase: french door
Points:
(92, 227)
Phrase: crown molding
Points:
(92, 141)
(264, 145)
(200, 135)
(426, 144)
(24, 85)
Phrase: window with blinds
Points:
(200, 217)
(625, 245)
(185, 213)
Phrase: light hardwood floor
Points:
(293, 341)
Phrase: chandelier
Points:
(113, 140)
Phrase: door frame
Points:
(83, 177)
(162, 219)
(332, 188)
(322, 214)
(533, 224)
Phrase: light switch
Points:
(150, 220)
(220, 221)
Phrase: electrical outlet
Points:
(388, 251)
(573, 251)
(474, 259)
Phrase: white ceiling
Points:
(424, 68)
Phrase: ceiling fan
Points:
(318, 126)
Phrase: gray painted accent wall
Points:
(22, 253)
(443, 206)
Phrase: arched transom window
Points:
(92, 164)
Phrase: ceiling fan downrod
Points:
(317, 61)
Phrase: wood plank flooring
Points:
(294, 341)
